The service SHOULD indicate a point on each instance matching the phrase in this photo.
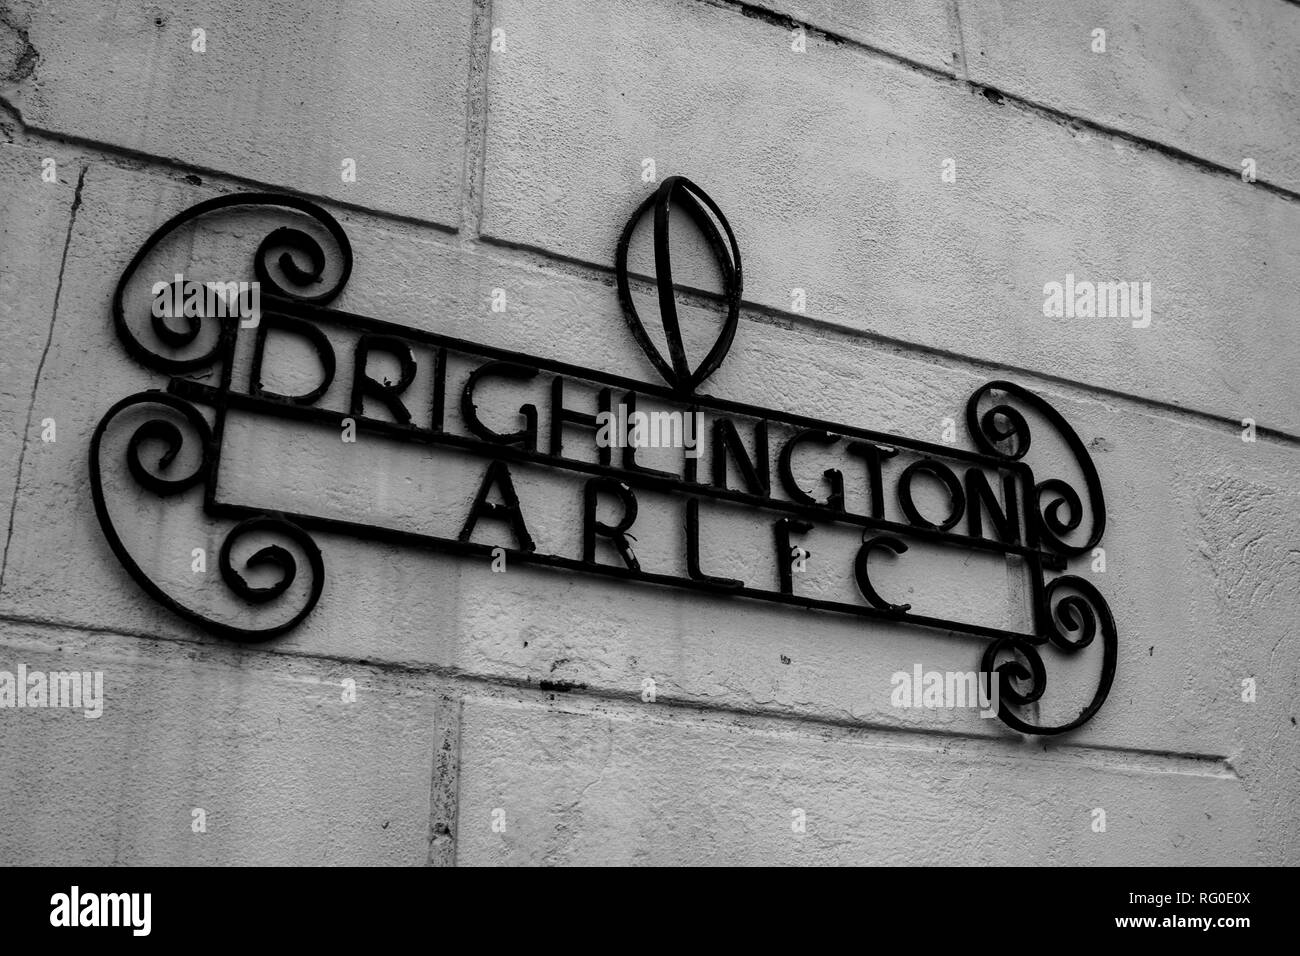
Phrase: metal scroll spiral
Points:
(154, 476)
(1071, 609)
(1073, 622)
(1004, 423)
(301, 260)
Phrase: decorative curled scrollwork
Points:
(1003, 423)
(152, 475)
(1072, 623)
(287, 240)
(271, 555)
(161, 429)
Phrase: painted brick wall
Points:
(500, 144)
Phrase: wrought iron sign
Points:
(995, 503)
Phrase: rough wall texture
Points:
(500, 145)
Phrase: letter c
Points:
(864, 578)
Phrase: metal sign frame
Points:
(1032, 520)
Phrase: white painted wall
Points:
(515, 168)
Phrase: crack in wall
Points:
(958, 39)
(40, 366)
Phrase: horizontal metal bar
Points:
(453, 546)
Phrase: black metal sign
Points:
(995, 503)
